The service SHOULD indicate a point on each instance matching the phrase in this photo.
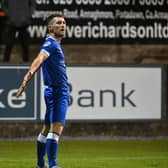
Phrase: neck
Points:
(54, 36)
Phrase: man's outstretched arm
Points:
(33, 68)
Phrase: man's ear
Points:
(50, 29)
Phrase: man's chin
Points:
(63, 35)
(60, 35)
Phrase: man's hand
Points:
(22, 87)
(21, 90)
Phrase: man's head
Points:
(56, 24)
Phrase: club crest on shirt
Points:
(46, 43)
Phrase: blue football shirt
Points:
(54, 69)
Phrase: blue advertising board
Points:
(12, 108)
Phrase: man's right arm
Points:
(33, 68)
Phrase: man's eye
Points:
(58, 22)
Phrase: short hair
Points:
(53, 16)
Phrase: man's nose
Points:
(62, 25)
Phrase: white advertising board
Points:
(113, 93)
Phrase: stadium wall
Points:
(102, 54)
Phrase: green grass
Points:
(91, 154)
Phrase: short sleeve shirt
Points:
(54, 68)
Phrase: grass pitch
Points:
(90, 154)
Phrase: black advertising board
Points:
(105, 21)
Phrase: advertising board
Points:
(12, 108)
(99, 93)
(105, 21)
(113, 93)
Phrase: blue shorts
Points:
(56, 106)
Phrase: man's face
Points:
(58, 26)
